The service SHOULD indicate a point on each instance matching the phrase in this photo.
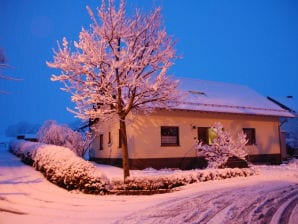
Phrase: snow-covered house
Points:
(168, 138)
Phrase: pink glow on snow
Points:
(27, 197)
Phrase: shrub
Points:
(61, 135)
(62, 166)
(24, 149)
(223, 147)
(157, 184)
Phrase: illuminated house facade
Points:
(167, 139)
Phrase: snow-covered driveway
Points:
(271, 197)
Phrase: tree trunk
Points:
(124, 146)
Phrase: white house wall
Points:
(144, 137)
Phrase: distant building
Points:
(28, 137)
(289, 126)
(167, 139)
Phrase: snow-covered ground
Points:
(270, 197)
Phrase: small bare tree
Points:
(4, 65)
(2, 59)
(223, 146)
(120, 65)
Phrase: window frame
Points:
(175, 129)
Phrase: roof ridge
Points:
(233, 106)
(211, 81)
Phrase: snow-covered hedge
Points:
(62, 166)
(167, 182)
(24, 150)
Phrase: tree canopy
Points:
(119, 65)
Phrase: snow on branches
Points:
(61, 135)
(223, 147)
(119, 65)
(4, 65)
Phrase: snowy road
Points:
(271, 197)
(266, 203)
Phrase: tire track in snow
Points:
(288, 211)
(194, 209)
(265, 202)
(271, 203)
(248, 205)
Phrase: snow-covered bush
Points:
(62, 166)
(223, 147)
(156, 184)
(24, 149)
(61, 135)
(17, 147)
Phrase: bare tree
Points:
(118, 66)
(4, 65)
(2, 59)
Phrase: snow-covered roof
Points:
(213, 96)
(290, 103)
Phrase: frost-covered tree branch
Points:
(4, 65)
(223, 147)
(119, 65)
(52, 133)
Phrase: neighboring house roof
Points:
(289, 103)
(213, 96)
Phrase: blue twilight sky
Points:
(247, 42)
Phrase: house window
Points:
(206, 135)
(109, 138)
(250, 135)
(169, 136)
(120, 139)
(101, 142)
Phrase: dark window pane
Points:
(203, 135)
(110, 138)
(101, 142)
(250, 135)
(120, 139)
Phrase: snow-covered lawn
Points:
(270, 197)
